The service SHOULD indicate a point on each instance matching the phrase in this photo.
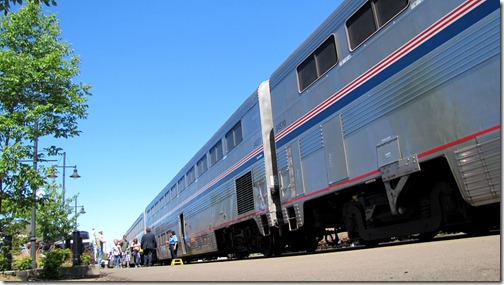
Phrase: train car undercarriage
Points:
(429, 202)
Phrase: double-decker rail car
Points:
(384, 123)
(137, 229)
(387, 122)
(218, 203)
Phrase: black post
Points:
(6, 250)
(75, 248)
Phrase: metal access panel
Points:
(334, 147)
(388, 151)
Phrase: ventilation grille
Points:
(245, 193)
(311, 143)
(480, 166)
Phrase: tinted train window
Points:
(202, 165)
(191, 176)
(173, 191)
(371, 17)
(317, 64)
(387, 9)
(167, 197)
(307, 73)
(326, 56)
(216, 153)
(181, 184)
(234, 137)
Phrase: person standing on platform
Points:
(98, 244)
(116, 252)
(135, 247)
(173, 244)
(149, 245)
(125, 249)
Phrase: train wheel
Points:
(240, 255)
(427, 236)
(271, 245)
(369, 243)
(268, 245)
(312, 243)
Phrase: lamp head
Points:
(75, 174)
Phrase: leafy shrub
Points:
(52, 264)
(85, 259)
(4, 262)
(23, 263)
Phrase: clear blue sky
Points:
(166, 75)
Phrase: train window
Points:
(173, 191)
(370, 17)
(307, 73)
(181, 184)
(234, 137)
(216, 153)
(162, 238)
(191, 176)
(326, 56)
(388, 9)
(317, 64)
(202, 166)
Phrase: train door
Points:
(311, 156)
(289, 172)
(182, 234)
(335, 157)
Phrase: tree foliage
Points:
(5, 4)
(37, 99)
(52, 216)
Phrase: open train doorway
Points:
(182, 234)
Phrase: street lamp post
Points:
(74, 175)
(77, 242)
(33, 236)
(33, 225)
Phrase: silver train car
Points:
(137, 229)
(384, 123)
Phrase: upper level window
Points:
(173, 191)
(234, 137)
(216, 153)
(317, 63)
(201, 166)
(190, 176)
(181, 184)
(370, 17)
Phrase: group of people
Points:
(122, 250)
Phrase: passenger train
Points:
(384, 123)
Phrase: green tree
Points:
(52, 216)
(5, 4)
(37, 99)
